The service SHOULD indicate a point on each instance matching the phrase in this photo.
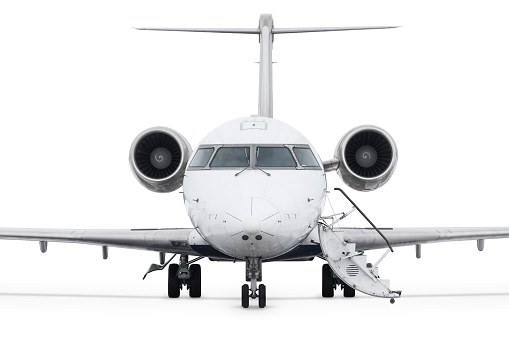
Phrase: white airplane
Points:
(255, 190)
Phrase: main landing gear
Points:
(254, 274)
(184, 274)
(330, 281)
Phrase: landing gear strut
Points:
(184, 274)
(254, 274)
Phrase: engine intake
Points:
(158, 159)
(367, 157)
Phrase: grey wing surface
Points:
(171, 240)
(367, 239)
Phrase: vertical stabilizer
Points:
(265, 91)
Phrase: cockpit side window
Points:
(202, 157)
(274, 157)
(305, 157)
(231, 157)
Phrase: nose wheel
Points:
(260, 293)
(262, 296)
(245, 296)
(254, 274)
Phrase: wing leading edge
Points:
(368, 239)
(171, 240)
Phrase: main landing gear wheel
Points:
(173, 281)
(262, 296)
(195, 281)
(327, 282)
(245, 296)
(348, 292)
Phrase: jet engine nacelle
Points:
(158, 159)
(367, 157)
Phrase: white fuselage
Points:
(254, 187)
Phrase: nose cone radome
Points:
(251, 225)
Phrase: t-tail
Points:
(266, 33)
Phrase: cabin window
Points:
(274, 157)
(305, 157)
(231, 157)
(202, 157)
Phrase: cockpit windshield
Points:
(274, 157)
(202, 157)
(231, 157)
(305, 157)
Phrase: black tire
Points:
(348, 292)
(327, 282)
(195, 281)
(173, 281)
(245, 296)
(262, 296)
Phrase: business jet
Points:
(255, 190)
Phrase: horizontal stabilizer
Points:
(205, 30)
(326, 29)
(257, 30)
(265, 31)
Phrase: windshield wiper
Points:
(249, 165)
(243, 170)
(258, 168)
(248, 162)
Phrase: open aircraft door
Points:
(351, 266)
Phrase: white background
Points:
(77, 84)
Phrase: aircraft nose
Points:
(251, 225)
(249, 217)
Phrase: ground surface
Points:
(134, 309)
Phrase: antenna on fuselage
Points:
(266, 33)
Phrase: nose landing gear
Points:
(254, 275)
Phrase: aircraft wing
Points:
(169, 240)
(367, 239)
